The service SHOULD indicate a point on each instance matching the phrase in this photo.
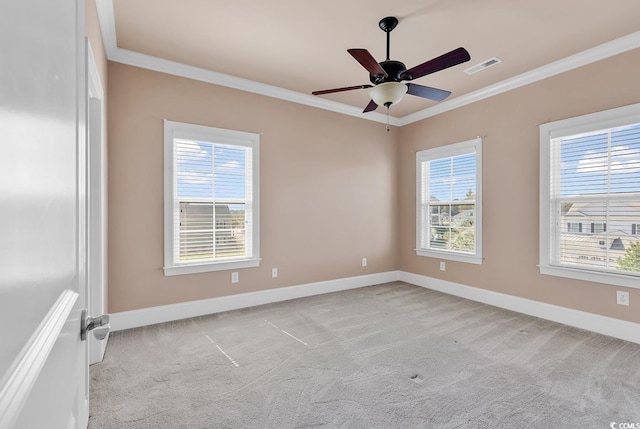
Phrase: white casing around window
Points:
(177, 130)
(604, 120)
(452, 150)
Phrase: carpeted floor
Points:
(386, 356)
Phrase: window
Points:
(590, 169)
(574, 227)
(211, 199)
(448, 206)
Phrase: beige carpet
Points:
(386, 356)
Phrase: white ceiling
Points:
(289, 48)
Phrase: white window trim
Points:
(445, 152)
(580, 124)
(216, 135)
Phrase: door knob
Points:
(99, 325)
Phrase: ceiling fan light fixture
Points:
(388, 93)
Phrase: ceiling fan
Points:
(387, 76)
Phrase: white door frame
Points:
(97, 201)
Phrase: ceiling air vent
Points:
(483, 65)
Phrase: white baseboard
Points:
(616, 328)
(184, 310)
(609, 326)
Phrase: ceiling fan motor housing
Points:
(394, 71)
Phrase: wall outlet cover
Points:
(622, 298)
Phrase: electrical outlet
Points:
(364, 262)
(235, 277)
(622, 298)
(442, 266)
(274, 272)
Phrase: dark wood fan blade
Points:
(450, 59)
(346, 88)
(368, 62)
(370, 107)
(427, 92)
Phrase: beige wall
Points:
(508, 123)
(335, 189)
(328, 189)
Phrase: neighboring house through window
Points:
(590, 182)
(449, 202)
(211, 199)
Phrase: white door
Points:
(43, 210)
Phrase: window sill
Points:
(592, 276)
(451, 256)
(177, 270)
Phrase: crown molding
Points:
(149, 62)
(106, 18)
(600, 52)
(107, 22)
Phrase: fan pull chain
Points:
(387, 118)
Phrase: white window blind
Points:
(595, 181)
(211, 198)
(590, 197)
(213, 193)
(448, 218)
